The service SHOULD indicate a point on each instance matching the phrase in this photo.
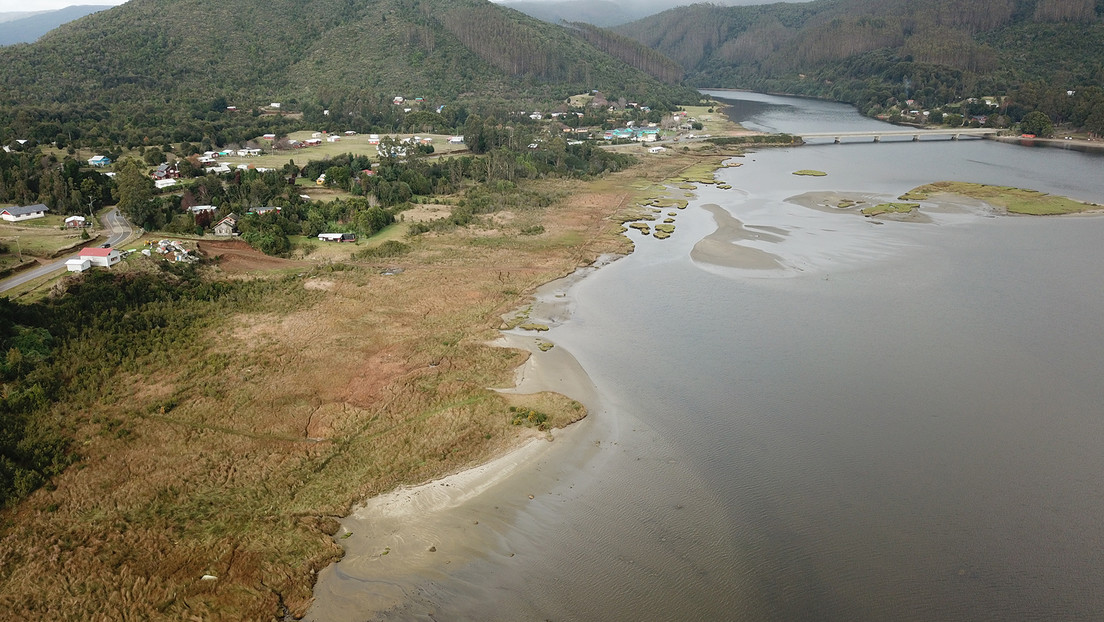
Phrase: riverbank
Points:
(354, 378)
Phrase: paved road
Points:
(119, 231)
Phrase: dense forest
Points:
(155, 71)
(1041, 54)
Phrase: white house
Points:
(104, 257)
(75, 221)
(199, 209)
(99, 160)
(26, 212)
(77, 265)
(161, 184)
(656, 149)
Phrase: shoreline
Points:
(402, 537)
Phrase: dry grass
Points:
(235, 464)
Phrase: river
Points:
(901, 420)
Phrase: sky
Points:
(10, 6)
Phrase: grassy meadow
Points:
(1013, 200)
(249, 412)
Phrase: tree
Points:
(1036, 123)
(135, 198)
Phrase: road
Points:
(120, 231)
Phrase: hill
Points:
(597, 12)
(871, 53)
(28, 28)
(165, 67)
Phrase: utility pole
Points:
(91, 216)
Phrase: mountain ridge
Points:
(151, 60)
(29, 27)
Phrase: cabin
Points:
(226, 226)
(26, 212)
(337, 237)
(103, 257)
(656, 149)
(77, 265)
(74, 222)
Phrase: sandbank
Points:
(723, 248)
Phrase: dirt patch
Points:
(237, 257)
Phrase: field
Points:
(1013, 200)
(40, 237)
(317, 382)
(357, 145)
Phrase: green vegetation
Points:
(810, 173)
(527, 417)
(118, 77)
(889, 58)
(890, 208)
(107, 324)
(1014, 200)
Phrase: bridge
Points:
(877, 135)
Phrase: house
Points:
(76, 221)
(26, 212)
(656, 149)
(269, 137)
(161, 184)
(77, 265)
(99, 160)
(248, 153)
(263, 210)
(227, 225)
(199, 209)
(103, 257)
(373, 139)
(310, 142)
(456, 140)
(337, 237)
(166, 171)
(333, 139)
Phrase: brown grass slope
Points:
(236, 463)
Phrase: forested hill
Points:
(868, 51)
(152, 63)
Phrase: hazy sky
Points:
(9, 6)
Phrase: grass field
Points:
(40, 237)
(232, 456)
(1014, 200)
